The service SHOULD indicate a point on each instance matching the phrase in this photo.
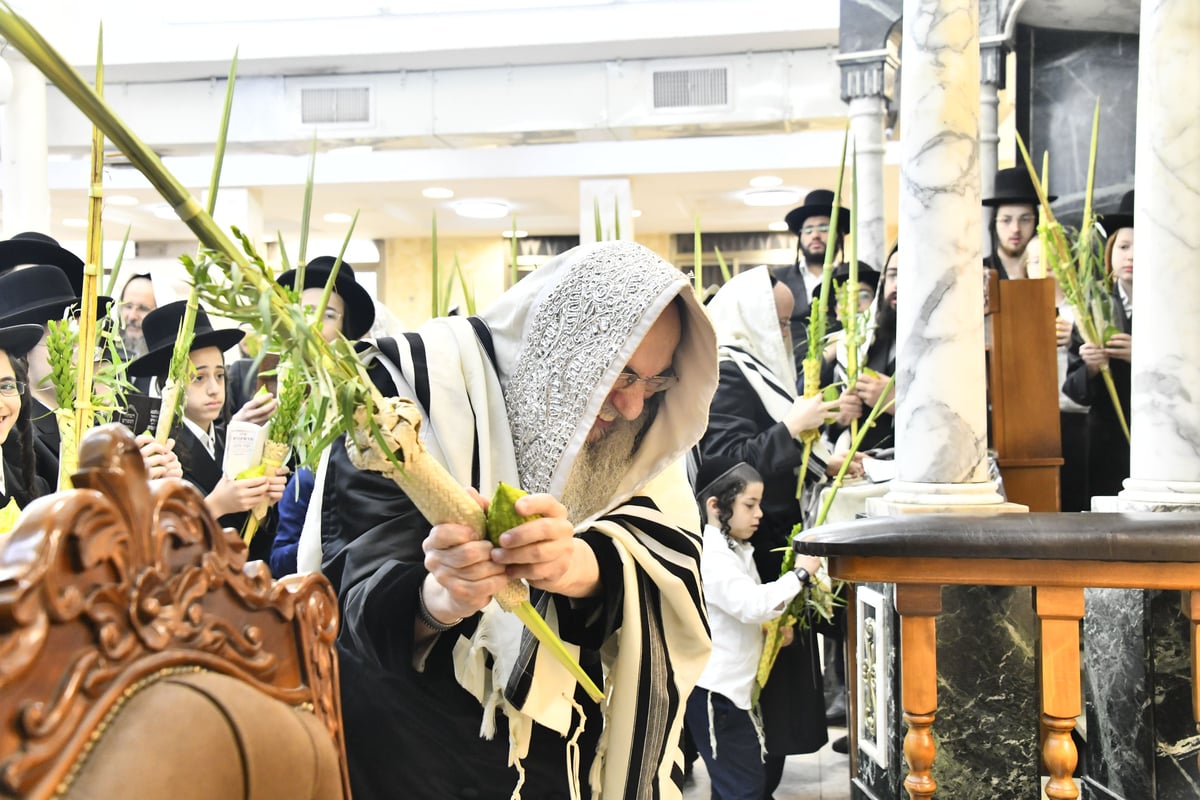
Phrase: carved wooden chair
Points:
(141, 657)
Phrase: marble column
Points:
(1165, 446)
(868, 81)
(1136, 656)
(991, 81)
(986, 721)
(24, 183)
(941, 413)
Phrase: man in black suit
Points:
(811, 224)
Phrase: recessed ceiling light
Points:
(635, 213)
(777, 226)
(765, 181)
(770, 197)
(337, 217)
(438, 193)
(75, 222)
(481, 209)
(59, 158)
(511, 234)
(120, 200)
(164, 211)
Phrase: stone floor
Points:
(824, 775)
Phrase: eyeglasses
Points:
(808, 230)
(11, 388)
(1024, 220)
(652, 385)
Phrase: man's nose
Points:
(628, 402)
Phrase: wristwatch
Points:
(804, 575)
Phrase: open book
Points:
(243, 447)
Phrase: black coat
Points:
(793, 701)
(1108, 449)
(47, 443)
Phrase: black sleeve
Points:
(589, 621)
(733, 432)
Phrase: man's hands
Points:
(870, 387)
(808, 413)
(465, 571)
(258, 409)
(161, 461)
(1119, 346)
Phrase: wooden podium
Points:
(1023, 389)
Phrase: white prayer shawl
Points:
(749, 335)
(560, 338)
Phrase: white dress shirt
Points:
(206, 437)
(738, 605)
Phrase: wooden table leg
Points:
(1060, 610)
(918, 606)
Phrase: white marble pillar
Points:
(866, 126)
(24, 184)
(941, 415)
(1165, 446)
(615, 198)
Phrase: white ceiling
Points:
(702, 172)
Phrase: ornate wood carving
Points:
(108, 584)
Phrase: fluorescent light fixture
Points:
(75, 222)
(481, 209)
(777, 226)
(59, 158)
(511, 234)
(337, 217)
(437, 193)
(164, 211)
(635, 213)
(766, 181)
(120, 200)
(771, 197)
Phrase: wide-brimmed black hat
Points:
(1123, 218)
(841, 273)
(817, 203)
(35, 295)
(32, 247)
(360, 310)
(161, 326)
(17, 340)
(1014, 187)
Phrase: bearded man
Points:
(1014, 221)
(811, 224)
(587, 381)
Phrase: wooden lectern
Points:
(1023, 389)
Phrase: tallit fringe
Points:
(756, 720)
(712, 727)
(573, 754)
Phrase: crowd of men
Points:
(587, 384)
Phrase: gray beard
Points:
(599, 469)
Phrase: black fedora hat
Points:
(17, 340)
(161, 327)
(841, 273)
(360, 310)
(35, 295)
(817, 203)
(1123, 218)
(32, 247)
(1014, 187)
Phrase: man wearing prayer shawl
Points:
(587, 381)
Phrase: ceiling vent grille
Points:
(682, 88)
(335, 105)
